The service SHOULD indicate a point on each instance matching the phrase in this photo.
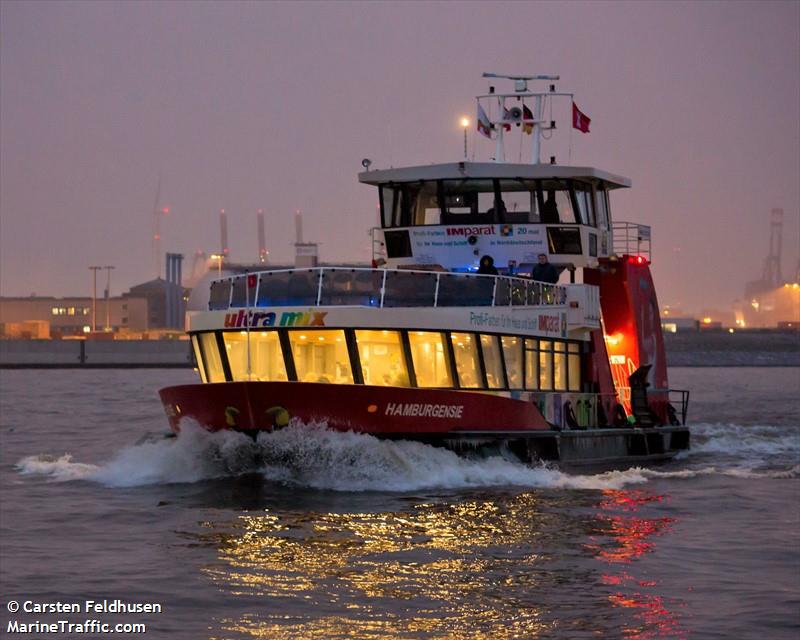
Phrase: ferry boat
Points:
(427, 345)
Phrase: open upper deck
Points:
(385, 298)
(378, 288)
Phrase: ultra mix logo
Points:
(271, 319)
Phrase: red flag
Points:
(580, 120)
(251, 280)
(527, 116)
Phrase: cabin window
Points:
(465, 351)
(531, 364)
(574, 366)
(321, 356)
(431, 365)
(266, 356)
(545, 365)
(383, 361)
(512, 353)
(198, 357)
(236, 349)
(493, 364)
(211, 357)
(559, 366)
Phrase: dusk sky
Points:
(273, 105)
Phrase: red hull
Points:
(388, 411)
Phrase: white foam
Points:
(734, 472)
(313, 456)
(310, 455)
(61, 468)
(756, 441)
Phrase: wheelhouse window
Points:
(412, 203)
(518, 202)
(211, 357)
(486, 201)
(321, 356)
(383, 361)
(601, 206)
(493, 364)
(465, 351)
(512, 353)
(431, 365)
(583, 200)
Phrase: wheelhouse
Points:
(512, 212)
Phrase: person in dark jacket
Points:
(544, 271)
(550, 210)
(487, 267)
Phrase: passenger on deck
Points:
(487, 267)
(544, 271)
(550, 210)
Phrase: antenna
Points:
(520, 82)
(263, 254)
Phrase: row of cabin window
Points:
(492, 201)
(390, 358)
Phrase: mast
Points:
(515, 116)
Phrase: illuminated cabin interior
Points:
(398, 358)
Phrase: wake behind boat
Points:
(504, 309)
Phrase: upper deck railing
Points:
(631, 239)
(379, 288)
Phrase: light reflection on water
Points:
(633, 536)
(492, 566)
